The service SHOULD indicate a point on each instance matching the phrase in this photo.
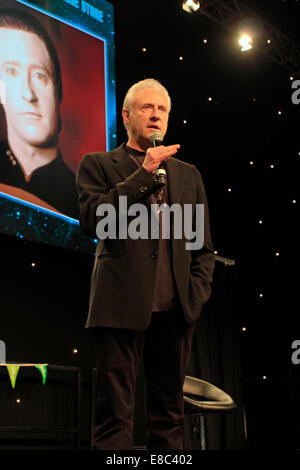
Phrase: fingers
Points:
(164, 153)
(172, 149)
(156, 155)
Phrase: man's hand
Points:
(156, 155)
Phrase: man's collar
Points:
(135, 152)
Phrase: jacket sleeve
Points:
(203, 259)
(93, 190)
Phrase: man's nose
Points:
(27, 90)
(155, 114)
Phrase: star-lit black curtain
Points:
(216, 359)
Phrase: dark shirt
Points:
(54, 182)
(164, 294)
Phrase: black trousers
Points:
(165, 347)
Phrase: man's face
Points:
(149, 113)
(31, 104)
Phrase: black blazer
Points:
(123, 277)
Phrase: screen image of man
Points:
(31, 165)
(146, 292)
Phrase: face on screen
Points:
(30, 102)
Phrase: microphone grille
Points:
(156, 138)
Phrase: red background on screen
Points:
(83, 106)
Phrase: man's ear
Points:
(125, 114)
(2, 92)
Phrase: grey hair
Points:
(147, 83)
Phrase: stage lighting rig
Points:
(270, 41)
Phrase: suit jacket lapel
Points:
(124, 165)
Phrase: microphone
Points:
(156, 139)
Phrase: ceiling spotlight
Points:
(245, 42)
(249, 30)
(190, 6)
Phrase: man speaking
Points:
(146, 293)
